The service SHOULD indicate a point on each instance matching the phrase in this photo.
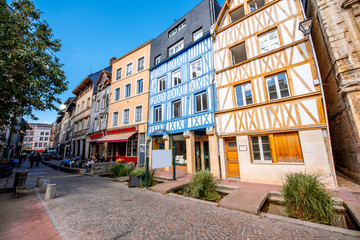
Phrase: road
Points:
(98, 208)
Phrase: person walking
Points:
(32, 160)
(38, 159)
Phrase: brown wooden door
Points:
(232, 160)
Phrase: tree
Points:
(30, 73)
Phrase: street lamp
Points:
(305, 26)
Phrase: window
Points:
(157, 59)
(103, 103)
(29, 145)
(141, 64)
(243, 94)
(182, 25)
(198, 34)
(269, 41)
(261, 148)
(115, 118)
(277, 147)
(97, 105)
(132, 147)
(157, 113)
(118, 73)
(30, 139)
(46, 139)
(176, 109)
(36, 145)
(237, 14)
(127, 90)
(195, 69)
(138, 114)
(126, 116)
(256, 4)
(25, 139)
(82, 106)
(40, 144)
(42, 133)
(162, 83)
(176, 47)
(129, 69)
(238, 53)
(139, 86)
(277, 86)
(117, 94)
(142, 148)
(45, 144)
(88, 102)
(78, 108)
(172, 32)
(47, 133)
(176, 75)
(201, 102)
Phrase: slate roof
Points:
(95, 76)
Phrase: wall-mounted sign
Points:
(242, 148)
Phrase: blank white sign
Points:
(161, 158)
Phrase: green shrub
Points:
(121, 169)
(140, 172)
(306, 198)
(202, 185)
(151, 179)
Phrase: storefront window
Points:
(158, 143)
(132, 147)
(180, 151)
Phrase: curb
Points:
(193, 199)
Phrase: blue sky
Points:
(91, 32)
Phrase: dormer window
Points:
(176, 47)
(177, 29)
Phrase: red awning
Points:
(41, 150)
(121, 137)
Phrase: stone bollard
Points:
(44, 184)
(3, 183)
(50, 191)
(39, 181)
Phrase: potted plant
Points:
(136, 177)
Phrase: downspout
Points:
(331, 161)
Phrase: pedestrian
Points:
(38, 159)
(32, 160)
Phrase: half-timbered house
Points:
(182, 90)
(270, 117)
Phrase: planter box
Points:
(135, 181)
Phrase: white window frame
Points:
(173, 77)
(157, 60)
(261, 149)
(103, 102)
(163, 78)
(196, 34)
(129, 84)
(141, 113)
(137, 86)
(113, 124)
(193, 63)
(117, 75)
(142, 57)
(127, 68)
(181, 25)
(278, 92)
(156, 114)
(202, 103)
(243, 94)
(115, 100)
(176, 47)
(123, 117)
(173, 109)
(265, 39)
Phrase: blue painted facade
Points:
(190, 119)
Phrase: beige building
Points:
(128, 109)
(336, 35)
(270, 117)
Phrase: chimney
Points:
(112, 61)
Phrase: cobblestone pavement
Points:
(98, 208)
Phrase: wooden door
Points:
(197, 156)
(232, 160)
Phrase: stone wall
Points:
(102, 168)
(336, 36)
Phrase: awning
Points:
(120, 137)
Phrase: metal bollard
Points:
(50, 191)
(44, 184)
(39, 181)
